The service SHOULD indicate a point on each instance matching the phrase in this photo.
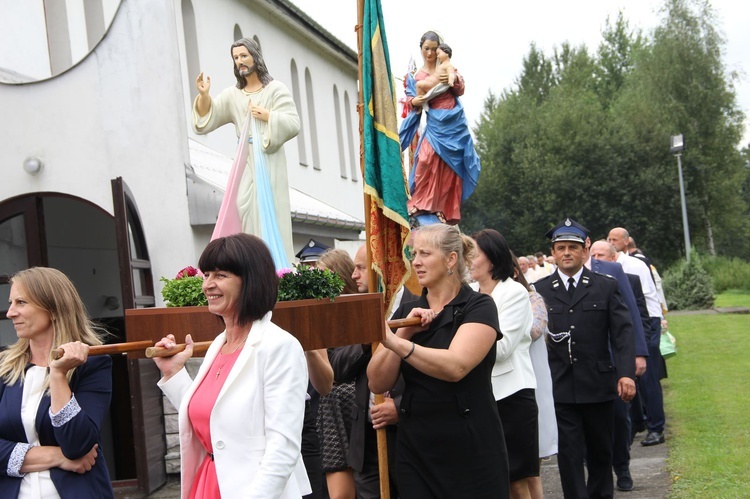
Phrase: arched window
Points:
(191, 45)
(310, 94)
(339, 132)
(302, 136)
(49, 37)
(353, 163)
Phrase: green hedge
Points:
(687, 285)
(728, 273)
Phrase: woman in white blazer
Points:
(513, 380)
(240, 419)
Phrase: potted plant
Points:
(304, 283)
(185, 290)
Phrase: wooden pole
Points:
(134, 346)
(372, 278)
(113, 348)
(198, 346)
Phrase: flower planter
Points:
(346, 320)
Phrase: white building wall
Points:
(118, 113)
(215, 20)
(123, 111)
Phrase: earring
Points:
(450, 271)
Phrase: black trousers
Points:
(311, 451)
(621, 438)
(585, 431)
(653, 399)
(637, 413)
(368, 481)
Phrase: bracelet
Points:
(410, 352)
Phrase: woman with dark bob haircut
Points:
(513, 379)
(241, 418)
(249, 259)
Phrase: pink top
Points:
(206, 483)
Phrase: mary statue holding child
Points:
(446, 166)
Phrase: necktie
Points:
(571, 286)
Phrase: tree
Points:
(682, 82)
(615, 58)
(587, 137)
(537, 77)
(533, 144)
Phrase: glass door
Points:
(22, 245)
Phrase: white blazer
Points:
(256, 424)
(513, 370)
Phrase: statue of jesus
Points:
(271, 105)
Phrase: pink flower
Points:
(188, 271)
(281, 273)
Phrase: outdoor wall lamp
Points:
(33, 165)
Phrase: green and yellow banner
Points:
(385, 180)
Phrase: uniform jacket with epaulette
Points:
(600, 350)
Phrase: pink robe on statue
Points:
(437, 187)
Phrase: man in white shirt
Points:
(528, 272)
(350, 362)
(637, 253)
(543, 267)
(649, 383)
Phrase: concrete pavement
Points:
(647, 467)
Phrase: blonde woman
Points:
(447, 364)
(51, 410)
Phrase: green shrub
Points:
(687, 285)
(728, 273)
(300, 283)
(183, 292)
(305, 282)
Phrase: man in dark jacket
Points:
(592, 360)
(604, 261)
(350, 363)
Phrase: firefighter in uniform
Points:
(591, 349)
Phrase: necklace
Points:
(228, 356)
(254, 90)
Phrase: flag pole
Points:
(372, 277)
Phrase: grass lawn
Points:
(733, 298)
(708, 405)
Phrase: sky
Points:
(489, 43)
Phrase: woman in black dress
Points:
(450, 439)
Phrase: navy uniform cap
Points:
(312, 251)
(568, 230)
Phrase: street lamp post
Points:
(677, 145)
